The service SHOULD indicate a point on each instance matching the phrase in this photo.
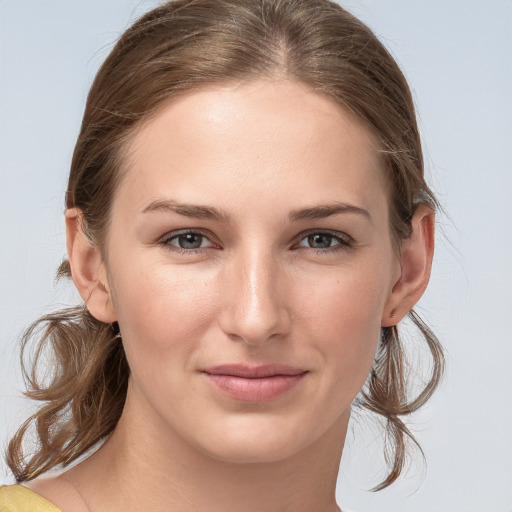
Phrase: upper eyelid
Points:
(331, 232)
(344, 237)
(172, 234)
(165, 240)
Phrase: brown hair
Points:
(178, 47)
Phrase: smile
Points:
(254, 384)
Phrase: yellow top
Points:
(17, 498)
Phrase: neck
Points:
(137, 469)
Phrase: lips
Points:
(254, 383)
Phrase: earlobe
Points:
(87, 269)
(415, 262)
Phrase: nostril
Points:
(256, 327)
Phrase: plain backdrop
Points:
(457, 56)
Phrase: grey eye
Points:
(188, 240)
(321, 241)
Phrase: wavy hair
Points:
(174, 49)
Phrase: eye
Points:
(187, 241)
(327, 241)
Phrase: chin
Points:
(252, 452)
(256, 441)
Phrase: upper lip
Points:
(254, 372)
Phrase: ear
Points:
(415, 264)
(87, 269)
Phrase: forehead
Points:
(271, 140)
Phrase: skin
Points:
(259, 289)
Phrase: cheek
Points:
(348, 300)
(344, 317)
(161, 312)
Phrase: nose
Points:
(254, 299)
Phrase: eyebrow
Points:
(216, 214)
(326, 210)
(188, 210)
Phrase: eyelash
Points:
(165, 241)
(345, 242)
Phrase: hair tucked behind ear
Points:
(174, 49)
(84, 396)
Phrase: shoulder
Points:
(17, 498)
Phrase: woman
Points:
(247, 223)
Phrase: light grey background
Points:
(457, 56)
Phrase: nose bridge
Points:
(254, 310)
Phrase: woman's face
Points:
(249, 262)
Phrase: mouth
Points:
(254, 383)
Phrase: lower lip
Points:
(254, 390)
